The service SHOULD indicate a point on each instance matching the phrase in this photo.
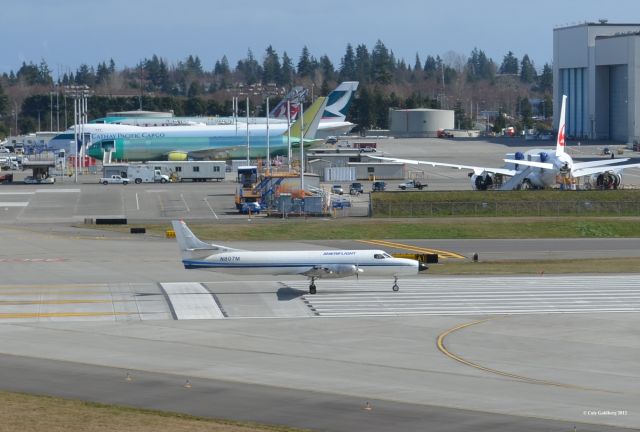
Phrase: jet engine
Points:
(608, 180)
(482, 181)
(177, 156)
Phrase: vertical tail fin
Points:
(311, 120)
(295, 96)
(339, 100)
(189, 243)
(560, 142)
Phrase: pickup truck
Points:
(412, 184)
(114, 179)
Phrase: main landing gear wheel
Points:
(395, 286)
(312, 287)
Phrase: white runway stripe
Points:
(487, 295)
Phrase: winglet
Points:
(560, 142)
(311, 118)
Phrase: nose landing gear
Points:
(312, 286)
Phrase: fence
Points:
(506, 208)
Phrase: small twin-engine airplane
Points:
(329, 264)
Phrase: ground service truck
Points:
(146, 174)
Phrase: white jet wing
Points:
(597, 163)
(602, 169)
(476, 169)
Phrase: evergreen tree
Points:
(348, 65)
(479, 67)
(305, 64)
(29, 74)
(418, 64)
(382, 64)
(102, 73)
(363, 64)
(509, 64)
(271, 69)
(326, 69)
(527, 70)
(4, 103)
(250, 68)
(526, 112)
(288, 70)
(85, 75)
(362, 109)
(545, 80)
(430, 67)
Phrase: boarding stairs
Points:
(515, 182)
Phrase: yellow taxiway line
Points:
(441, 253)
(62, 314)
(55, 302)
(443, 349)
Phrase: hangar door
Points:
(618, 111)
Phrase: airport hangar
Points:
(597, 65)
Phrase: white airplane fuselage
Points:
(540, 177)
(327, 263)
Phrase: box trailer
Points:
(197, 171)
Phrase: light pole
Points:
(79, 95)
(15, 111)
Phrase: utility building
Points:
(597, 65)
(419, 122)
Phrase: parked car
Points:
(355, 189)
(331, 140)
(378, 186)
(337, 189)
(412, 184)
(46, 180)
(250, 207)
(114, 179)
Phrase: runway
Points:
(82, 309)
(343, 298)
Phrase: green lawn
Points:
(427, 228)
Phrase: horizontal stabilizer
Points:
(543, 165)
(189, 243)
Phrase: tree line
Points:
(466, 84)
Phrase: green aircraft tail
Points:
(311, 120)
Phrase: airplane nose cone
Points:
(422, 267)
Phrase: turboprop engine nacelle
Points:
(334, 271)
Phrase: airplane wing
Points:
(476, 169)
(596, 163)
(602, 169)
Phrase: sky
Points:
(68, 33)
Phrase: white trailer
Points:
(146, 174)
(197, 171)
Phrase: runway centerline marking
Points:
(441, 253)
(444, 350)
